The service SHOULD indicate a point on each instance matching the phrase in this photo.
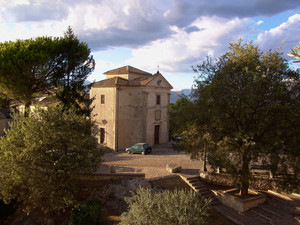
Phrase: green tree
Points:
(30, 67)
(246, 108)
(295, 53)
(179, 114)
(27, 67)
(168, 208)
(42, 155)
(75, 66)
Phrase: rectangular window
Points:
(102, 135)
(102, 99)
(157, 99)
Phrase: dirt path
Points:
(153, 165)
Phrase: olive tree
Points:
(42, 155)
(168, 207)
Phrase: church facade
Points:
(131, 106)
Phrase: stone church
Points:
(131, 106)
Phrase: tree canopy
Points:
(246, 109)
(42, 155)
(33, 66)
(27, 67)
(74, 68)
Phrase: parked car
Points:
(143, 148)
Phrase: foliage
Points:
(179, 114)
(75, 66)
(168, 208)
(33, 66)
(86, 213)
(295, 53)
(246, 109)
(27, 67)
(42, 155)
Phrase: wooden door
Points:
(156, 134)
(102, 135)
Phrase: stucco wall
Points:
(105, 114)
(131, 112)
(151, 118)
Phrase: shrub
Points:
(42, 155)
(168, 208)
(86, 213)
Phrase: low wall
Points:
(218, 179)
(241, 205)
(169, 182)
(113, 176)
(256, 183)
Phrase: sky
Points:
(166, 35)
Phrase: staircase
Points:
(275, 211)
(197, 185)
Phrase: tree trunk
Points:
(27, 109)
(245, 175)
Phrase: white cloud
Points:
(260, 22)
(182, 50)
(127, 23)
(286, 33)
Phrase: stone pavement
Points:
(279, 209)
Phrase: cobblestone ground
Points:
(153, 165)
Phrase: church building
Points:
(131, 106)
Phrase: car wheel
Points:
(128, 152)
(144, 152)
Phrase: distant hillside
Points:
(176, 94)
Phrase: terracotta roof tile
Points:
(126, 70)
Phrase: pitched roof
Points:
(119, 81)
(126, 70)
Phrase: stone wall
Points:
(241, 205)
(256, 183)
(110, 177)
(218, 179)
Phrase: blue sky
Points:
(174, 34)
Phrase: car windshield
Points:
(146, 146)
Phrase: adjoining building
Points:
(131, 106)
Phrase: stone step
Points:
(209, 195)
(283, 206)
(197, 183)
(279, 212)
(264, 215)
(214, 202)
(256, 217)
(205, 192)
(202, 187)
(193, 178)
(235, 216)
(272, 217)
